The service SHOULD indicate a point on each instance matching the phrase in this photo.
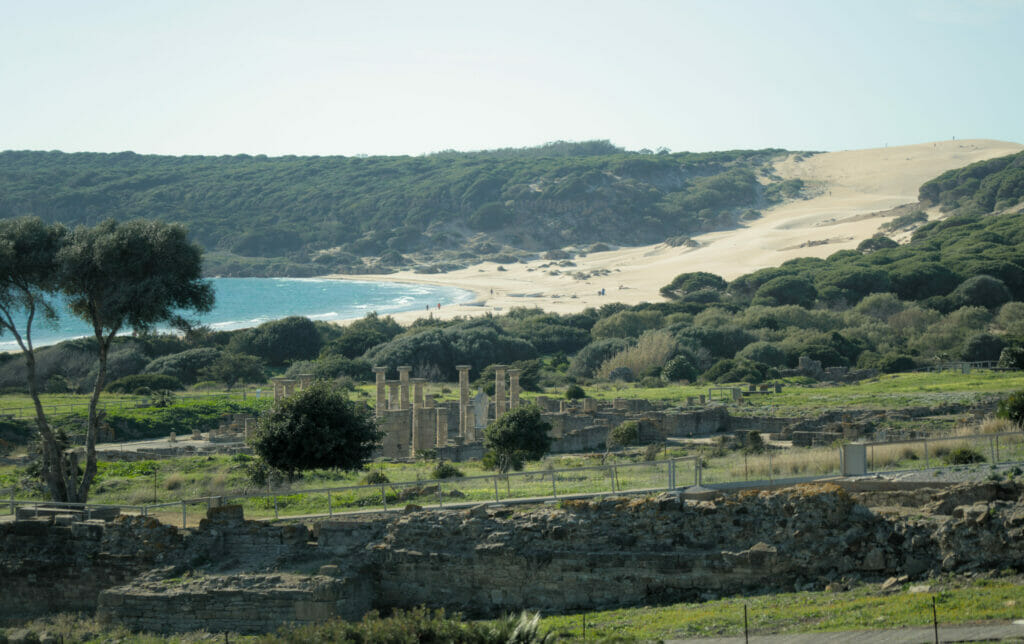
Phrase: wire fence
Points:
(928, 453)
(530, 486)
(769, 468)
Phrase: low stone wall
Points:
(49, 565)
(232, 574)
(241, 603)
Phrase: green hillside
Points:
(313, 215)
(980, 188)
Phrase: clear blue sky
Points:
(378, 77)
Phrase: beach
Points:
(851, 194)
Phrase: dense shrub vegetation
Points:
(954, 292)
(314, 215)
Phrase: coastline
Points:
(848, 196)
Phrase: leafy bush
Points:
(627, 433)
(982, 346)
(574, 392)
(689, 283)
(591, 357)
(184, 366)
(317, 428)
(682, 367)
(1012, 358)
(279, 341)
(963, 456)
(445, 470)
(1012, 408)
(517, 436)
(376, 477)
(330, 367)
(434, 352)
(650, 353)
(152, 381)
(626, 324)
(362, 335)
(980, 290)
(786, 289)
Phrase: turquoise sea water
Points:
(249, 301)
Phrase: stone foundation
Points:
(237, 575)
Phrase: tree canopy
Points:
(517, 436)
(316, 428)
(290, 215)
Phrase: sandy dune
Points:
(852, 189)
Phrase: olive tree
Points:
(120, 276)
(28, 276)
(316, 428)
(517, 436)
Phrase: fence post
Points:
(495, 489)
(771, 469)
(992, 449)
(440, 496)
(12, 502)
(184, 515)
(926, 461)
(554, 492)
(275, 508)
(615, 476)
(330, 508)
(383, 496)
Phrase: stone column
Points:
(463, 399)
(393, 394)
(442, 426)
(513, 387)
(417, 391)
(403, 379)
(380, 372)
(278, 388)
(415, 413)
(289, 387)
(499, 390)
(305, 380)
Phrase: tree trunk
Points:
(93, 431)
(53, 456)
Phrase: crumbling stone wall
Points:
(486, 560)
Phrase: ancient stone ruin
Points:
(230, 574)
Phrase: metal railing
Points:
(926, 453)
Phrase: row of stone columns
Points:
(284, 387)
(394, 394)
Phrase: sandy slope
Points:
(851, 186)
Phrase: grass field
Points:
(864, 607)
(172, 480)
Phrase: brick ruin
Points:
(230, 574)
